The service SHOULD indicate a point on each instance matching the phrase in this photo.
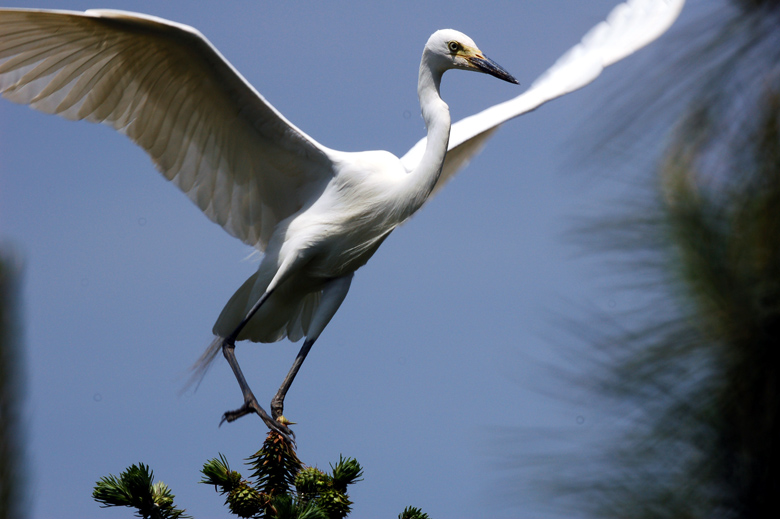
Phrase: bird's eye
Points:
(454, 46)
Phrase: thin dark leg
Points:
(250, 402)
(333, 294)
(277, 404)
(252, 311)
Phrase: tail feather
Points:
(284, 314)
(201, 366)
(287, 313)
(300, 317)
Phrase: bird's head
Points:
(452, 49)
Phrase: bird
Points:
(316, 214)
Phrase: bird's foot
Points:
(277, 407)
(251, 406)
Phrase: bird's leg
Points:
(250, 402)
(277, 404)
(333, 294)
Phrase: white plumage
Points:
(317, 214)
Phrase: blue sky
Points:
(443, 340)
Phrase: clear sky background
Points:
(444, 339)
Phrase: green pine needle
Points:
(346, 472)
(217, 472)
(288, 508)
(135, 488)
(275, 466)
(283, 489)
(411, 512)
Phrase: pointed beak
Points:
(488, 66)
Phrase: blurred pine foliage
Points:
(12, 495)
(698, 372)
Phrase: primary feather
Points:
(628, 27)
(318, 214)
(169, 90)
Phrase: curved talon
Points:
(283, 430)
(251, 406)
(281, 419)
(250, 402)
(232, 416)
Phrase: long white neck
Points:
(436, 114)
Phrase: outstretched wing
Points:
(167, 88)
(629, 27)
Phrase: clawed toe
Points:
(232, 416)
(251, 406)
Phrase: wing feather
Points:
(629, 27)
(169, 90)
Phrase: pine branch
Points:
(275, 466)
(346, 472)
(135, 488)
(282, 487)
(411, 512)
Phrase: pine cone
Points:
(310, 482)
(245, 501)
(334, 503)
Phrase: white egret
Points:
(317, 214)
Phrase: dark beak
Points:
(488, 66)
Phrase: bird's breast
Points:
(345, 226)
